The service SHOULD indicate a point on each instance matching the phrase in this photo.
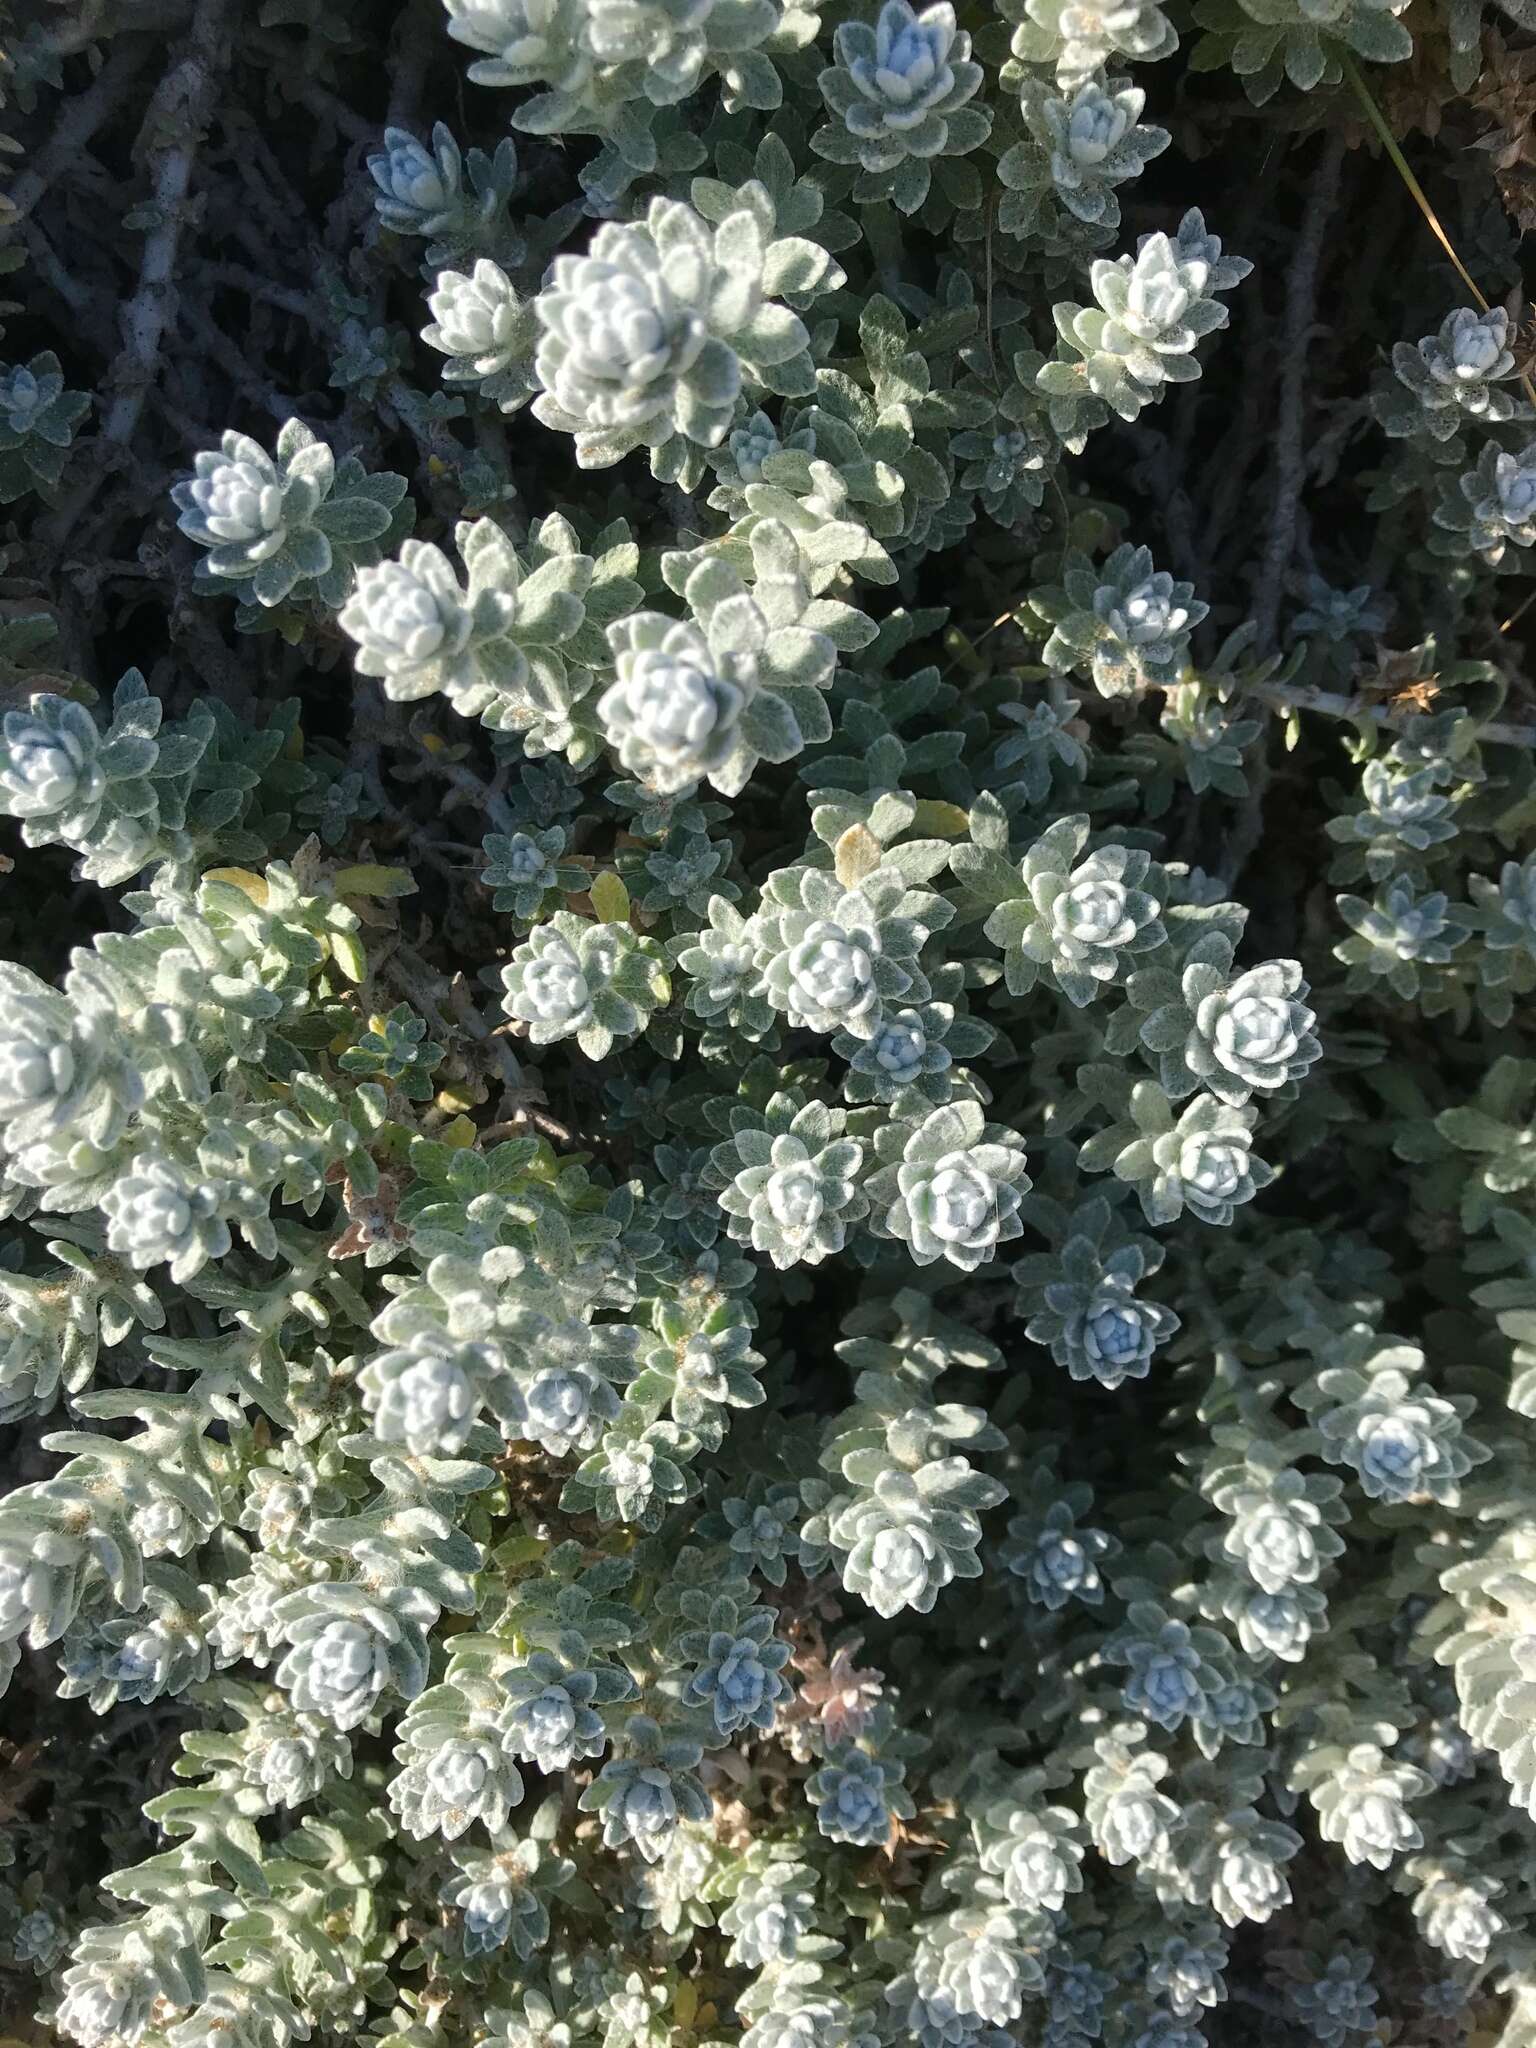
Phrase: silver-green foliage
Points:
(490, 1359)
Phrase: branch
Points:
(1287, 697)
(1290, 456)
(81, 118)
(182, 104)
(187, 91)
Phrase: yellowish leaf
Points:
(857, 854)
(935, 819)
(242, 879)
(369, 879)
(610, 899)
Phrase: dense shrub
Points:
(767, 1134)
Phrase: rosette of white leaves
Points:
(949, 1184)
(1033, 1849)
(913, 1048)
(38, 418)
(824, 487)
(833, 958)
(725, 984)
(607, 65)
(418, 188)
(1456, 1914)
(1174, 1671)
(460, 201)
(900, 89)
(739, 460)
(1335, 1998)
(1401, 938)
(1080, 147)
(1235, 1035)
(153, 1653)
(1489, 509)
(1361, 1797)
(698, 1368)
(1077, 41)
(50, 774)
(649, 339)
(53, 1324)
(526, 45)
(596, 983)
(773, 1907)
(117, 797)
(43, 1566)
(643, 1796)
(1201, 1161)
(1268, 41)
(900, 1544)
(234, 2014)
(1128, 1818)
(1493, 1655)
(1277, 1518)
(1124, 623)
(1242, 1866)
(426, 1392)
(350, 1644)
(1008, 465)
(1151, 312)
(708, 700)
(973, 1963)
(247, 1626)
(456, 1766)
(805, 2023)
(1057, 1556)
(550, 1714)
(1402, 1441)
(1404, 811)
(287, 1757)
(63, 1067)
(1505, 911)
(1271, 1624)
(1078, 924)
(561, 1396)
(789, 1181)
(1336, 616)
(159, 1211)
(121, 1973)
(487, 332)
(495, 1893)
(297, 521)
(1450, 376)
(526, 870)
(1083, 1300)
(856, 1796)
(515, 645)
(739, 1670)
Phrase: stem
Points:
(191, 87)
(1290, 458)
(185, 97)
(1287, 697)
(1389, 143)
